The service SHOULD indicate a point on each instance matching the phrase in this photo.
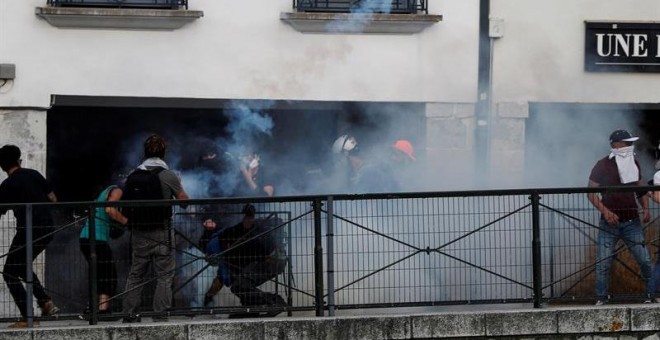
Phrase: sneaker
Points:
(601, 302)
(49, 308)
(23, 324)
(132, 318)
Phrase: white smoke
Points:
(361, 14)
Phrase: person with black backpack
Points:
(152, 235)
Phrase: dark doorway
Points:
(87, 143)
(91, 137)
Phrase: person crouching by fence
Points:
(246, 261)
(109, 224)
(25, 186)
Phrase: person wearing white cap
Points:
(620, 218)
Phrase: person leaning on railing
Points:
(620, 218)
(22, 186)
(103, 231)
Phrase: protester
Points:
(345, 165)
(385, 170)
(212, 165)
(253, 183)
(619, 218)
(105, 218)
(152, 235)
(25, 185)
(244, 260)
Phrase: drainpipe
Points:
(483, 106)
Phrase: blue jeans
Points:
(632, 233)
(214, 248)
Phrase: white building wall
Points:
(239, 50)
(541, 56)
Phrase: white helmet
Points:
(344, 143)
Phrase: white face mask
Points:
(625, 152)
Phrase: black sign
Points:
(622, 47)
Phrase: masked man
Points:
(620, 218)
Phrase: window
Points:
(160, 4)
(118, 14)
(362, 6)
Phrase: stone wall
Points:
(614, 322)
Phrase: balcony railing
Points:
(362, 6)
(159, 4)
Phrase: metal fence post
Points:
(318, 258)
(536, 251)
(331, 257)
(93, 268)
(28, 265)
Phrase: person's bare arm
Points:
(248, 175)
(52, 197)
(182, 195)
(113, 212)
(644, 203)
(594, 198)
(655, 195)
(269, 190)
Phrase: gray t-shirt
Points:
(170, 184)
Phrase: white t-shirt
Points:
(656, 178)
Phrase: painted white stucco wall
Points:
(239, 50)
(541, 56)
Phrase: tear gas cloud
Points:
(362, 14)
(560, 147)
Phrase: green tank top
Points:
(102, 220)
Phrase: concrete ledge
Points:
(593, 320)
(359, 23)
(616, 322)
(117, 18)
(230, 330)
(521, 323)
(448, 325)
(645, 319)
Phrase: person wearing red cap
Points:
(620, 217)
(403, 151)
(386, 171)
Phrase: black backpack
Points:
(145, 185)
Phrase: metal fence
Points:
(362, 6)
(160, 4)
(361, 251)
